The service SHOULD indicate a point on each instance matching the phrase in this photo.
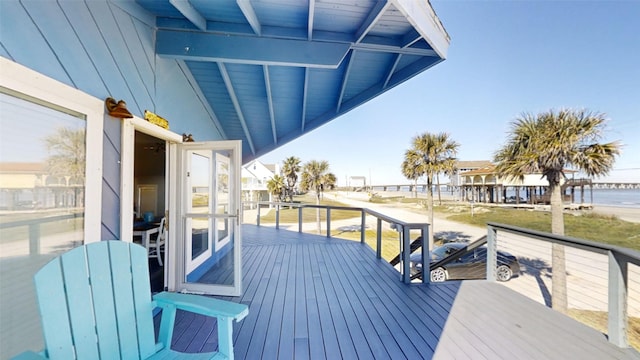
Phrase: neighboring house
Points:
(255, 176)
(483, 185)
(464, 166)
(28, 186)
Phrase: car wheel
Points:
(503, 273)
(438, 275)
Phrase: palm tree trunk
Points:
(415, 188)
(558, 263)
(438, 185)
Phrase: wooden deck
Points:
(319, 298)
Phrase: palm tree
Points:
(290, 170)
(411, 168)
(316, 176)
(549, 143)
(434, 153)
(67, 158)
(276, 187)
(329, 181)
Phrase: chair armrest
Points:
(29, 355)
(202, 305)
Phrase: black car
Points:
(451, 262)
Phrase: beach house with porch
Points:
(485, 185)
(201, 88)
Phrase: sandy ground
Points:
(623, 213)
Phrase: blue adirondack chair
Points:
(95, 303)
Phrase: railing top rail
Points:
(40, 220)
(630, 255)
(384, 217)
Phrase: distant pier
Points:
(423, 187)
(612, 185)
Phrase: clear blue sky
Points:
(505, 58)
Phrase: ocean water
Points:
(608, 197)
(614, 197)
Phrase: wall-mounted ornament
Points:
(156, 119)
(117, 109)
(187, 138)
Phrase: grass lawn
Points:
(290, 215)
(390, 240)
(588, 226)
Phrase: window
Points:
(49, 197)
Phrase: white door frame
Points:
(129, 128)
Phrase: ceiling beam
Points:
(249, 49)
(410, 38)
(345, 79)
(394, 49)
(250, 15)
(267, 84)
(312, 10)
(305, 92)
(236, 105)
(371, 20)
(186, 9)
(392, 70)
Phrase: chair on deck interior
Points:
(156, 246)
(95, 303)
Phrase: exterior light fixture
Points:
(117, 109)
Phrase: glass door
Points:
(209, 253)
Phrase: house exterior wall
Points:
(105, 49)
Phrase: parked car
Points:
(464, 265)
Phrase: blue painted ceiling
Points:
(273, 70)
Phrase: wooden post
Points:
(379, 239)
(426, 261)
(34, 239)
(363, 227)
(258, 216)
(617, 327)
(277, 216)
(406, 253)
(299, 219)
(492, 253)
(328, 222)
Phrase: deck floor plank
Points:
(324, 298)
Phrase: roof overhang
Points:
(273, 70)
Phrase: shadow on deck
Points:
(324, 298)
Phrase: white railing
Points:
(602, 282)
(403, 228)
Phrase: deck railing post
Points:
(492, 253)
(379, 239)
(328, 222)
(363, 226)
(299, 219)
(426, 271)
(258, 216)
(277, 216)
(34, 239)
(406, 254)
(618, 282)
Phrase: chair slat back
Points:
(95, 303)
